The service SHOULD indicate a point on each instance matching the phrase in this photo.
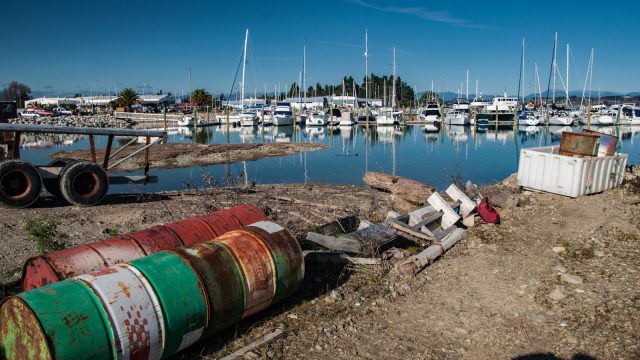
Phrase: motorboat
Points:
(528, 118)
(457, 117)
(333, 116)
(346, 119)
(282, 115)
(248, 118)
(431, 113)
(316, 118)
(385, 117)
(187, 120)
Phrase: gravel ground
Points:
(100, 121)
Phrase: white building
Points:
(56, 101)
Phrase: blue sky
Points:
(80, 46)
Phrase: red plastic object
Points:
(487, 212)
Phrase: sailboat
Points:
(386, 116)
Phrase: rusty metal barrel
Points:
(181, 295)
(133, 309)
(64, 320)
(153, 307)
(85, 259)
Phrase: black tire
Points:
(83, 183)
(53, 184)
(20, 183)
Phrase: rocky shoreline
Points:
(96, 121)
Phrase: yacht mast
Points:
(244, 64)
(366, 67)
(554, 66)
(393, 91)
(304, 70)
(568, 102)
(467, 84)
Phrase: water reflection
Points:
(482, 155)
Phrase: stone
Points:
(598, 253)
(292, 316)
(579, 291)
(557, 295)
(559, 268)
(469, 221)
(571, 279)
(558, 249)
(318, 347)
(505, 199)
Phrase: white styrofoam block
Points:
(418, 215)
(466, 205)
(449, 216)
(543, 168)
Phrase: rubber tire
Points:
(12, 175)
(53, 185)
(83, 183)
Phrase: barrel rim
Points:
(23, 279)
(35, 316)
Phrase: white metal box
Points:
(543, 168)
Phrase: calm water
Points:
(433, 158)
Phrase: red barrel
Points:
(84, 259)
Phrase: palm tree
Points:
(128, 97)
(201, 97)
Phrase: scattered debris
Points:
(408, 190)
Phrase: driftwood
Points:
(265, 339)
(408, 190)
(334, 243)
(416, 263)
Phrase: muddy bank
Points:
(175, 155)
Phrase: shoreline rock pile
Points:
(97, 121)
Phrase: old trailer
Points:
(79, 182)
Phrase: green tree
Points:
(429, 96)
(17, 92)
(127, 98)
(201, 97)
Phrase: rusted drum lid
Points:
(75, 261)
(181, 295)
(221, 222)
(156, 238)
(36, 273)
(133, 310)
(192, 231)
(117, 250)
(21, 336)
(257, 267)
(287, 256)
(247, 214)
(69, 315)
(223, 279)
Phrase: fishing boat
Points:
(282, 115)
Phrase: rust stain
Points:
(124, 289)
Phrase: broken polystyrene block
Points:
(418, 215)
(364, 224)
(449, 216)
(466, 205)
(393, 215)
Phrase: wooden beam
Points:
(333, 243)
(239, 354)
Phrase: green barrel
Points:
(64, 320)
(181, 295)
(223, 280)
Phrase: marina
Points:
(482, 154)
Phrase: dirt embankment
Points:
(557, 279)
(175, 155)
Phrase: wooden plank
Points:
(333, 243)
(408, 232)
(428, 220)
(329, 257)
